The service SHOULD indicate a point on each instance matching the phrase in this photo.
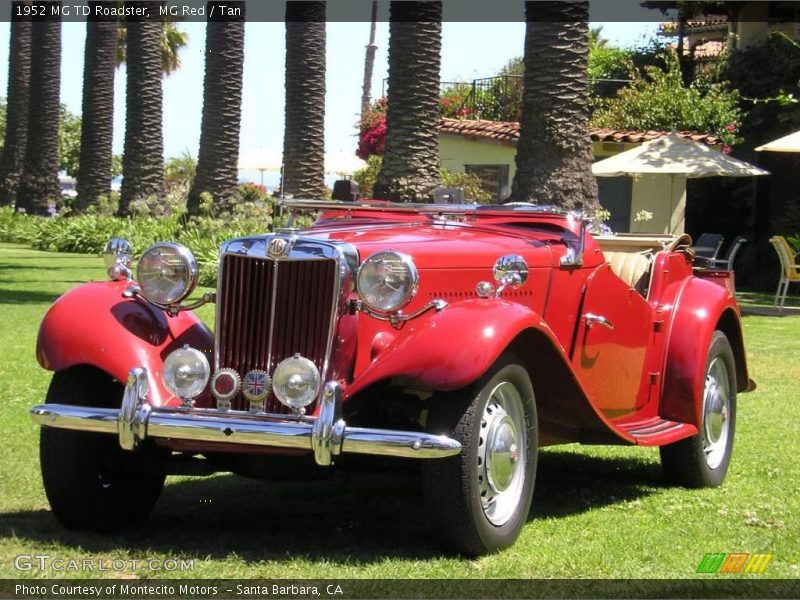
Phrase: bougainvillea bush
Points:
(372, 131)
(372, 126)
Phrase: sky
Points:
(469, 51)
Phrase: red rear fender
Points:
(94, 325)
(702, 307)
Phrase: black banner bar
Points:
(251, 589)
(336, 10)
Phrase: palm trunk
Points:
(369, 62)
(410, 168)
(97, 115)
(19, 76)
(304, 133)
(143, 160)
(222, 112)
(554, 153)
(39, 188)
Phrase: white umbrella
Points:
(674, 155)
(342, 162)
(788, 143)
(262, 160)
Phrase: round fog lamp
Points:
(186, 372)
(296, 382)
(167, 273)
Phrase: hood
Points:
(443, 245)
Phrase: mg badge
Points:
(256, 388)
(278, 248)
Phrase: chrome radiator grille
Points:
(270, 310)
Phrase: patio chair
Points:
(790, 270)
(727, 262)
(708, 245)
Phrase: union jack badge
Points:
(256, 389)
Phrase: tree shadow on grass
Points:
(349, 518)
(27, 297)
(42, 255)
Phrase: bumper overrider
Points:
(326, 436)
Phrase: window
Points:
(494, 179)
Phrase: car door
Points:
(612, 336)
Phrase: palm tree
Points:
(222, 110)
(39, 183)
(304, 125)
(143, 159)
(410, 169)
(19, 74)
(554, 153)
(369, 62)
(97, 125)
(172, 40)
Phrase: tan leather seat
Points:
(632, 267)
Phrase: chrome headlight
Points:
(118, 255)
(296, 382)
(186, 372)
(167, 273)
(387, 281)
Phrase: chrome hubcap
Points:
(501, 454)
(716, 412)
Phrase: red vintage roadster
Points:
(466, 337)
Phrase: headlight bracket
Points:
(396, 319)
(134, 291)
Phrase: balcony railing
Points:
(499, 98)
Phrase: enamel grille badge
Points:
(278, 248)
(256, 388)
(225, 386)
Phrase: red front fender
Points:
(450, 349)
(93, 324)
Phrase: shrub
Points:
(89, 233)
(453, 99)
(657, 99)
(471, 183)
(366, 176)
(16, 227)
(768, 78)
(372, 131)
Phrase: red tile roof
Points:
(508, 132)
(704, 23)
(706, 50)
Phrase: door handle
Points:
(592, 319)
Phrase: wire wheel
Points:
(501, 453)
(716, 412)
(480, 500)
(703, 459)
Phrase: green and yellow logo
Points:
(736, 562)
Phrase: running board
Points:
(655, 431)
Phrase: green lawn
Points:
(598, 512)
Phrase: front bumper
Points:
(326, 435)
